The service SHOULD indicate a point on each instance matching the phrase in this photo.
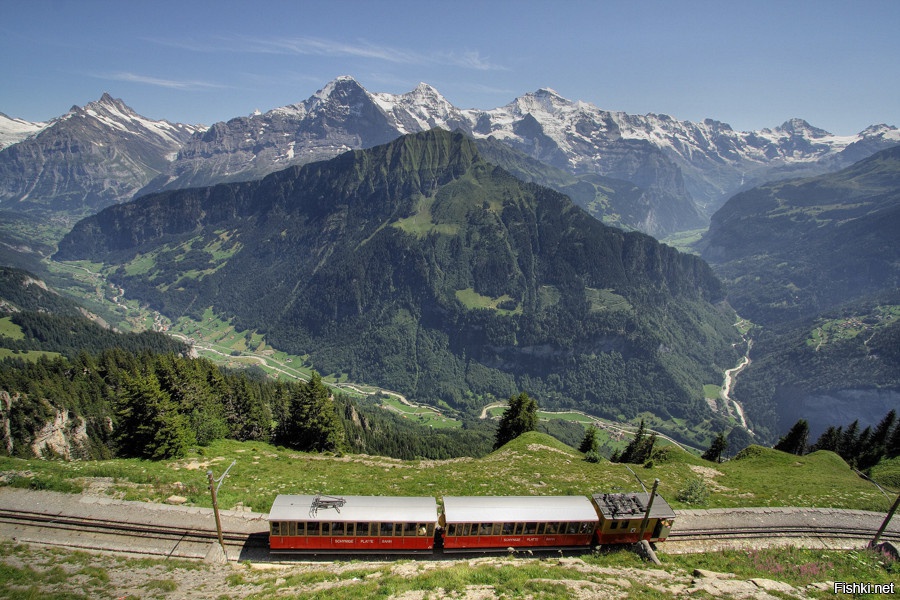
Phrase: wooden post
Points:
(215, 503)
(884, 524)
(649, 506)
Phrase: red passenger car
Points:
(498, 523)
(327, 524)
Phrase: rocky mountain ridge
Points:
(703, 162)
(91, 157)
(684, 170)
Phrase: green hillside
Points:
(532, 464)
(790, 250)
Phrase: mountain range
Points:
(678, 172)
(89, 158)
(404, 265)
(420, 266)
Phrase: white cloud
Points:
(315, 46)
(155, 81)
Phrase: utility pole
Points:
(642, 543)
(884, 524)
(649, 506)
(214, 490)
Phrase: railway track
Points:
(172, 541)
(139, 538)
(764, 533)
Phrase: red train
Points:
(383, 524)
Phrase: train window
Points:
(429, 531)
(530, 528)
(326, 528)
(337, 528)
(552, 529)
(571, 528)
(508, 528)
(587, 528)
(387, 529)
(312, 529)
(362, 529)
(519, 527)
(274, 528)
(540, 528)
(485, 529)
(409, 529)
(298, 528)
(497, 528)
(613, 524)
(451, 529)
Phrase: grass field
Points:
(54, 574)
(10, 330)
(533, 464)
(423, 415)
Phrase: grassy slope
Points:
(533, 464)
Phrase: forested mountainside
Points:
(793, 249)
(842, 366)
(70, 388)
(816, 261)
(422, 267)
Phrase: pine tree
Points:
(893, 445)
(313, 422)
(149, 422)
(519, 417)
(829, 440)
(849, 442)
(795, 440)
(589, 443)
(640, 448)
(718, 446)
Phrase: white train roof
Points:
(384, 509)
(499, 509)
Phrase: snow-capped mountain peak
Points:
(13, 131)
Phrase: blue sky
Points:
(751, 64)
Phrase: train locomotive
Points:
(384, 524)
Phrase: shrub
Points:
(696, 492)
(592, 456)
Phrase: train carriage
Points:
(622, 518)
(498, 523)
(327, 524)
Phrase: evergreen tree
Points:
(639, 449)
(589, 443)
(849, 441)
(313, 421)
(829, 440)
(893, 445)
(795, 440)
(718, 446)
(150, 425)
(519, 417)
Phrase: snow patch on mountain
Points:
(13, 131)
